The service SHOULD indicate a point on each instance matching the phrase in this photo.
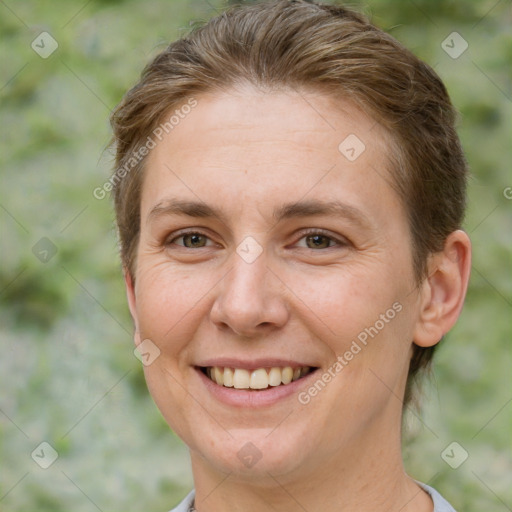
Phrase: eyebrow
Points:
(304, 208)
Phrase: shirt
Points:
(440, 504)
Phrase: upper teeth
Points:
(260, 378)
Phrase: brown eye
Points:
(195, 240)
(191, 240)
(318, 241)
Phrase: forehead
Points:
(245, 148)
(246, 114)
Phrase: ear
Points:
(130, 295)
(444, 290)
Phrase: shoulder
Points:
(440, 504)
(185, 505)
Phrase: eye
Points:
(191, 240)
(315, 239)
(319, 239)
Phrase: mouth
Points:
(257, 379)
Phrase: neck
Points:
(367, 476)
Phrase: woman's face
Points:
(271, 237)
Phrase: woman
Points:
(289, 192)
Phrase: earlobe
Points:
(444, 290)
(130, 295)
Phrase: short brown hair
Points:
(282, 44)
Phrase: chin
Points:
(251, 453)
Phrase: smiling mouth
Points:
(257, 379)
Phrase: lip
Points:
(253, 399)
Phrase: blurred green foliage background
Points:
(68, 375)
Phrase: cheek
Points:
(365, 317)
(168, 301)
(344, 301)
(169, 308)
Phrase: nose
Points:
(251, 301)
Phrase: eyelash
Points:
(311, 231)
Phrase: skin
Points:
(246, 153)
